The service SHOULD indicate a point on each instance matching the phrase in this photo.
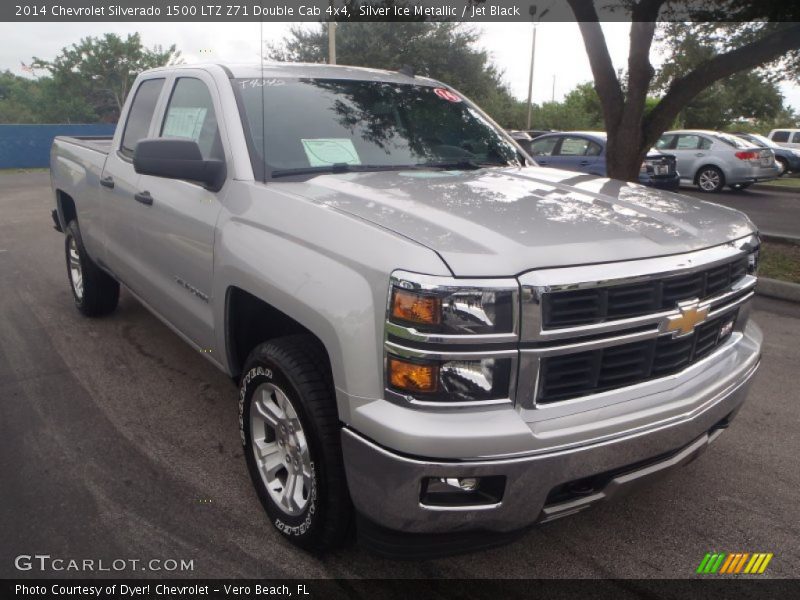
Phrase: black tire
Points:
(784, 164)
(709, 179)
(97, 293)
(297, 366)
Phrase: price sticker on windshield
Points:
(446, 95)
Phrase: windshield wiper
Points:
(338, 168)
(461, 165)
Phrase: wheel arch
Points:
(66, 209)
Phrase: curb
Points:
(778, 188)
(779, 238)
(782, 290)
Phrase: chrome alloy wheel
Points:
(709, 180)
(280, 449)
(75, 271)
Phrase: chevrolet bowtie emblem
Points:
(691, 315)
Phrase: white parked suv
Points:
(712, 159)
(790, 138)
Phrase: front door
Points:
(176, 229)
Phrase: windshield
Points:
(318, 125)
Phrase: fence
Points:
(28, 146)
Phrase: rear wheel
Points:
(95, 292)
(710, 179)
(290, 430)
(783, 165)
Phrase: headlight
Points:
(428, 322)
(445, 381)
(438, 307)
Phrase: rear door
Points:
(577, 153)
(688, 152)
(119, 185)
(177, 226)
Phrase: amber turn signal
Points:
(412, 307)
(413, 377)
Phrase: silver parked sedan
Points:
(712, 159)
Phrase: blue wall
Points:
(28, 146)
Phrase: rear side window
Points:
(705, 144)
(796, 138)
(190, 114)
(594, 149)
(544, 147)
(780, 136)
(140, 114)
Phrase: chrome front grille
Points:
(583, 373)
(595, 305)
(595, 329)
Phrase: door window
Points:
(780, 136)
(190, 115)
(140, 114)
(666, 142)
(544, 147)
(572, 146)
(796, 138)
(688, 142)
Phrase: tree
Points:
(91, 79)
(744, 96)
(16, 95)
(737, 47)
(445, 51)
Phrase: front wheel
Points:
(290, 430)
(710, 179)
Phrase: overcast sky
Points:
(560, 55)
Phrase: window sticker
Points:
(322, 152)
(446, 95)
(184, 122)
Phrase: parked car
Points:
(585, 152)
(712, 159)
(522, 138)
(431, 339)
(787, 158)
(535, 133)
(788, 138)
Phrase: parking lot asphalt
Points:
(119, 441)
(773, 211)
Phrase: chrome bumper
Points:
(385, 486)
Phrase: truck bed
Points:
(98, 143)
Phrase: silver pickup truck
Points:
(434, 339)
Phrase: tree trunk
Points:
(631, 133)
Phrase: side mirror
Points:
(178, 158)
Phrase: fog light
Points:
(462, 491)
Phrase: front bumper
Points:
(385, 485)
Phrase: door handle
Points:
(583, 163)
(144, 198)
(700, 154)
(107, 182)
(541, 162)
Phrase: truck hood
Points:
(501, 222)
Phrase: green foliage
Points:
(748, 96)
(87, 82)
